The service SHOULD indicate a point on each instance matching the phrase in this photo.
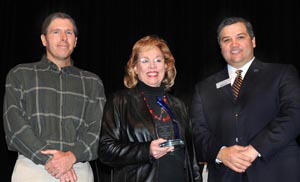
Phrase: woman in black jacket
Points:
(146, 132)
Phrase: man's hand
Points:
(251, 152)
(69, 176)
(235, 158)
(60, 163)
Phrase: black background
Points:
(108, 30)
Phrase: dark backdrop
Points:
(109, 28)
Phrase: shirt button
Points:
(237, 140)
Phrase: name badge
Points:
(223, 83)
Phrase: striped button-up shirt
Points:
(48, 108)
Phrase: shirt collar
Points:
(231, 70)
(46, 63)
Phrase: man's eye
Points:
(225, 40)
(241, 37)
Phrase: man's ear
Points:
(75, 42)
(44, 40)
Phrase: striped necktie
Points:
(237, 83)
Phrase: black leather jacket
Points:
(128, 129)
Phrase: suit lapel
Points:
(251, 78)
(226, 90)
(248, 84)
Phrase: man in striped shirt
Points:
(53, 110)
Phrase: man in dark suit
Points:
(250, 137)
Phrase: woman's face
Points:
(151, 67)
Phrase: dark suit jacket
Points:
(265, 115)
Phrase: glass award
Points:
(176, 142)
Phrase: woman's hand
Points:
(156, 151)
